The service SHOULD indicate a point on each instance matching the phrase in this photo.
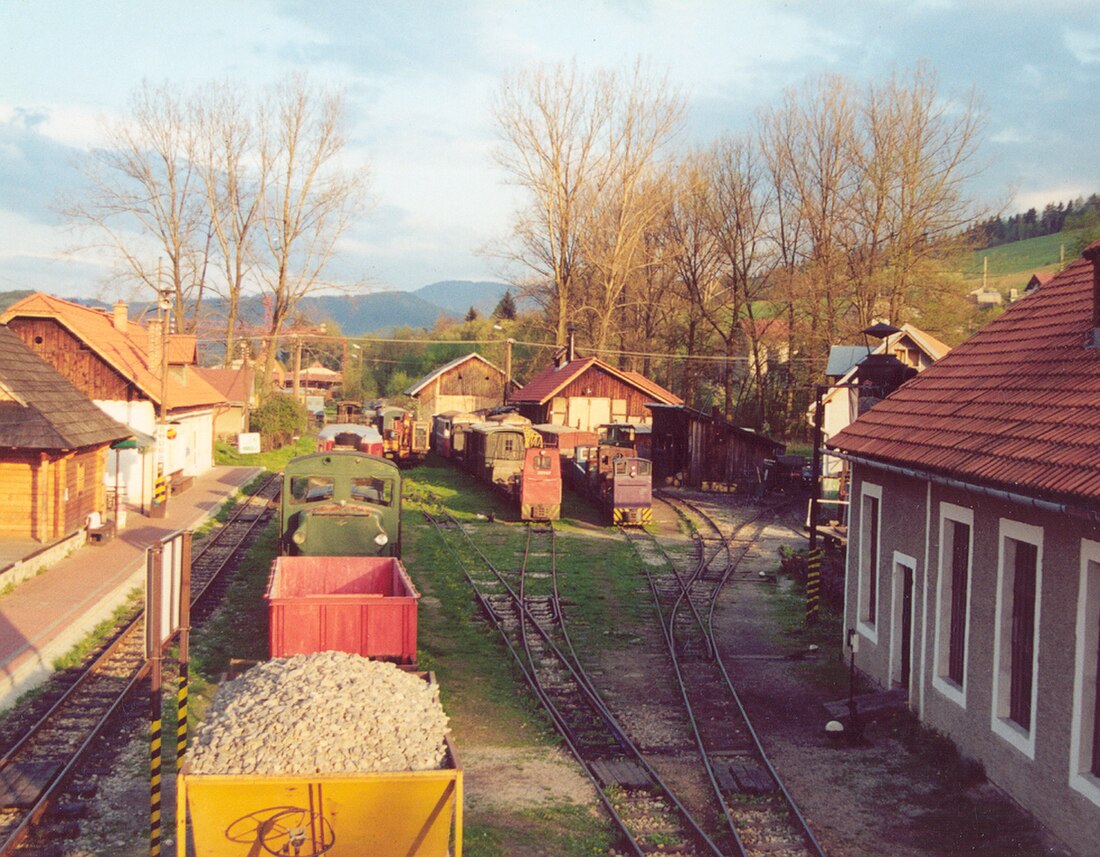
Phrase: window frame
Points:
(945, 582)
(868, 588)
(1023, 739)
(1086, 710)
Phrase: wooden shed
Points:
(587, 393)
(694, 448)
(469, 383)
(53, 448)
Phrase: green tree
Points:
(278, 419)
(506, 308)
(471, 314)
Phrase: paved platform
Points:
(44, 616)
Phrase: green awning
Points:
(139, 440)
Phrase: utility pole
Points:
(297, 364)
(507, 368)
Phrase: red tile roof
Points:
(551, 380)
(126, 351)
(1016, 406)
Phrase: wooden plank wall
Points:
(71, 358)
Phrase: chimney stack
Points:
(1092, 253)
(155, 344)
(119, 316)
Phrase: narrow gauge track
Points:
(525, 609)
(42, 759)
(761, 817)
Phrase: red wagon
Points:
(366, 605)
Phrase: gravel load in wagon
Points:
(322, 753)
(330, 712)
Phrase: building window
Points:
(869, 527)
(1015, 634)
(1084, 773)
(953, 600)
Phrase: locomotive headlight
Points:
(299, 537)
(381, 540)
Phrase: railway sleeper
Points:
(624, 773)
(739, 773)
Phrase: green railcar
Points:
(340, 504)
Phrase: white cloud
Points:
(1084, 45)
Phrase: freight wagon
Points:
(449, 434)
(340, 504)
(365, 605)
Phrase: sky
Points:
(419, 79)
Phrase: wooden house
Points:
(117, 363)
(586, 393)
(53, 448)
(973, 566)
(693, 449)
(466, 384)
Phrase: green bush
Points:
(278, 419)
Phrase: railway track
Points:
(523, 605)
(41, 756)
(760, 816)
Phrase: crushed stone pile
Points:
(329, 712)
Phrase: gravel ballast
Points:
(323, 713)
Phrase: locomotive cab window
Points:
(311, 489)
(378, 491)
(542, 462)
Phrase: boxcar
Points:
(540, 485)
(495, 454)
(448, 434)
(340, 504)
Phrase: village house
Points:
(841, 400)
(237, 386)
(53, 449)
(587, 393)
(466, 384)
(116, 362)
(973, 567)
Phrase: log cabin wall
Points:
(20, 507)
(84, 369)
(47, 496)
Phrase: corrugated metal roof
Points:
(1016, 406)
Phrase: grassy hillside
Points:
(1011, 265)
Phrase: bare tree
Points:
(554, 123)
(234, 182)
(146, 200)
(308, 199)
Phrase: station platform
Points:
(60, 592)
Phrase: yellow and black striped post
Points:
(813, 584)
(185, 658)
(153, 638)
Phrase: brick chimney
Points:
(155, 344)
(119, 316)
(1092, 253)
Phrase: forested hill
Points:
(1080, 213)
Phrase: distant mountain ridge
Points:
(360, 315)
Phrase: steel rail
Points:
(804, 830)
(133, 628)
(693, 831)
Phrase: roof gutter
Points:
(1089, 514)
